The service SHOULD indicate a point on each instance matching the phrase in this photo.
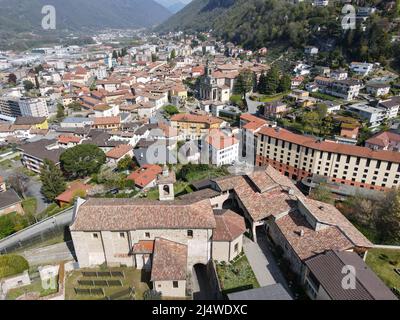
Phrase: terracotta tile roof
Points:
(185, 117)
(253, 123)
(68, 195)
(68, 139)
(143, 246)
(275, 192)
(106, 120)
(230, 225)
(143, 176)
(329, 215)
(219, 140)
(119, 151)
(384, 139)
(169, 261)
(311, 242)
(340, 148)
(129, 214)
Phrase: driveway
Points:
(202, 290)
(263, 262)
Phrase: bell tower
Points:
(165, 182)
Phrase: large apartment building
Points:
(298, 157)
(34, 107)
(9, 107)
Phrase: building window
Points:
(190, 233)
(147, 234)
(95, 235)
(175, 284)
(122, 235)
(236, 249)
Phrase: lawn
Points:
(269, 98)
(383, 262)
(34, 287)
(236, 276)
(133, 278)
(29, 205)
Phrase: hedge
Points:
(12, 264)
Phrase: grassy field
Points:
(236, 276)
(29, 205)
(34, 287)
(133, 278)
(383, 262)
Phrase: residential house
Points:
(118, 153)
(387, 140)
(10, 202)
(146, 176)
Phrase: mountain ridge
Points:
(25, 15)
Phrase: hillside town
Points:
(191, 168)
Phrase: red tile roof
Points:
(340, 148)
(230, 226)
(68, 139)
(186, 117)
(143, 246)
(169, 261)
(119, 151)
(219, 140)
(68, 195)
(106, 120)
(138, 214)
(143, 176)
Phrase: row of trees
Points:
(269, 83)
(378, 217)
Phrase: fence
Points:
(103, 274)
(44, 230)
(128, 293)
(100, 283)
(89, 292)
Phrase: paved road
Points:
(51, 254)
(202, 289)
(263, 262)
(25, 236)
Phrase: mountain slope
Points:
(25, 15)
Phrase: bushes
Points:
(11, 223)
(12, 264)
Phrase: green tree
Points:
(28, 85)
(53, 182)
(244, 82)
(154, 57)
(115, 55)
(173, 54)
(262, 83)
(60, 112)
(82, 160)
(388, 219)
(171, 110)
(272, 81)
(125, 163)
(285, 83)
(310, 121)
(12, 79)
